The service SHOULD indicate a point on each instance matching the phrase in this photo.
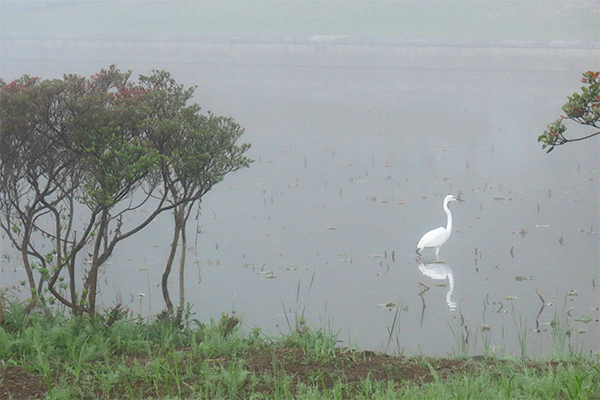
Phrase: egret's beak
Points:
(460, 200)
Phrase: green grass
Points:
(72, 358)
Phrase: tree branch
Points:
(581, 138)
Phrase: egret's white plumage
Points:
(437, 237)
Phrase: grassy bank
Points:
(63, 358)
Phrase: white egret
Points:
(437, 237)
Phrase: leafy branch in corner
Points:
(582, 108)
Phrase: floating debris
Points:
(510, 297)
(523, 232)
(560, 240)
(572, 293)
(400, 201)
(590, 232)
(485, 328)
(377, 255)
(387, 305)
(501, 309)
(586, 319)
(498, 198)
(264, 272)
(254, 265)
(520, 278)
(331, 228)
(293, 268)
(511, 252)
(270, 276)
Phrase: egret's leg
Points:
(437, 253)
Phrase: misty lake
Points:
(355, 147)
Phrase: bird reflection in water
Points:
(440, 271)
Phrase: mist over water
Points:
(355, 147)
(351, 183)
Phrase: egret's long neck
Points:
(449, 214)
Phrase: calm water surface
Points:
(354, 153)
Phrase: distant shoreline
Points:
(329, 40)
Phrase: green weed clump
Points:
(58, 357)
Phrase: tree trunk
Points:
(178, 217)
(27, 266)
(182, 265)
(72, 288)
(165, 275)
(92, 280)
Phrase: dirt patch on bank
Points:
(350, 368)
